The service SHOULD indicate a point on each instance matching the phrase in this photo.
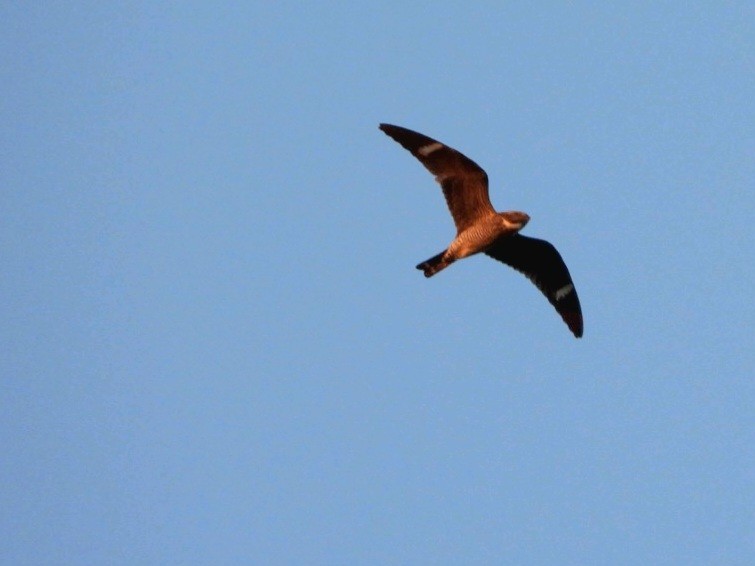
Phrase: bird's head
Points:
(514, 220)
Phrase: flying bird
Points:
(479, 228)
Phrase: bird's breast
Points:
(477, 238)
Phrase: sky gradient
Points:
(216, 348)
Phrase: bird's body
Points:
(474, 239)
(479, 228)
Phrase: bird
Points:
(479, 228)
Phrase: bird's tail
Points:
(434, 264)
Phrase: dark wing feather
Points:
(543, 265)
(464, 183)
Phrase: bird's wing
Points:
(464, 183)
(543, 265)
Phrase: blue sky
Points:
(216, 348)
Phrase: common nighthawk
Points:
(479, 228)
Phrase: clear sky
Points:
(216, 348)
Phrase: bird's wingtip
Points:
(385, 126)
(574, 322)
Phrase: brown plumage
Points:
(479, 228)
